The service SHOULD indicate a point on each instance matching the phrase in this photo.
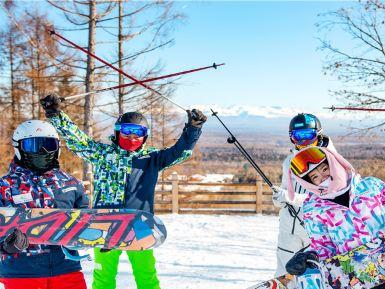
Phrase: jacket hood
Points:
(341, 172)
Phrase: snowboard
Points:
(122, 229)
(361, 268)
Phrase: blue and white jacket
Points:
(54, 189)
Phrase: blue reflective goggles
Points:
(39, 144)
(132, 128)
(303, 135)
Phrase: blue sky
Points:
(270, 51)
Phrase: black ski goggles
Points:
(39, 145)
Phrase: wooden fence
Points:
(214, 198)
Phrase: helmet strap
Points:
(320, 138)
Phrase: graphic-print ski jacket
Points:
(54, 189)
(124, 179)
(335, 229)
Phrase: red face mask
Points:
(130, 144)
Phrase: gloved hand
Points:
(15, 242)
(299, 263)
(51, 105)
(279, 196)
(102, 250)
(196, 118)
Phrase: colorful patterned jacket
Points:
(123, 179)
(335, 229)
(54, 189)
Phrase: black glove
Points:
(15, 242)
(102, 250)
(51, 105)
(196, 118)
(299, 263)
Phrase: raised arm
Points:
(182, 149)
(76, 140)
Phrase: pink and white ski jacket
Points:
(335, 229)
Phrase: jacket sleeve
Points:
(76, 140)
(181, 150)
(331, 145)
(285, 170)
(321, 241)
(4, 191)
(82, 200)
(283, 193)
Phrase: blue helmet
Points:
(304, 130)
(303, 121)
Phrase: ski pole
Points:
(232, 139)
(214, 65)
(53, 32)
(333, 108)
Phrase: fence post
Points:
(175, 192)
(258, 196)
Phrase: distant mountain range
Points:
(272, 120)
(256, 121)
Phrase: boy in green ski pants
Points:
(125, 175)
(143, 267)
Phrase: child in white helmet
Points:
(35, 180)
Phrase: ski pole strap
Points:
(320, 271)
(71, 257)
(315, 263)
(304, 248)
(288, 251)
(294, 214)
(285, 250)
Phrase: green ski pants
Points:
(106, 269)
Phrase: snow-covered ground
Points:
(212, 178)
(209, 252)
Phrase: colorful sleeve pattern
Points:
(77, 141)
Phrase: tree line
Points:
(34, 64)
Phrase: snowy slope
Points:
(208, 251)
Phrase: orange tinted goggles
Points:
(301, 161)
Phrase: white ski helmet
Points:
(32, 128)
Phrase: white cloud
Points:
(277, 112)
